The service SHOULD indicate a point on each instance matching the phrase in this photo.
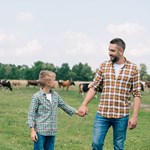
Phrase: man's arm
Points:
(90, 94)
(133, 120)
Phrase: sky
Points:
(73, 31)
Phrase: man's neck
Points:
(120, 61)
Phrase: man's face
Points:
(114, 52)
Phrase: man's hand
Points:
(132, 122)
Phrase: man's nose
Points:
(110, 53)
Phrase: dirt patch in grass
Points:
(145, 107)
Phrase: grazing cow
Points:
(32, 82)
(84, 87)
(16, 83)
(6, 84)
(65, 84)
(147, 85)
(142, 86)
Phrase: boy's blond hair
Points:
(45, 75)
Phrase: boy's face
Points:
(51, 83)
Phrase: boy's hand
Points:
(34, 136)
(81, 114)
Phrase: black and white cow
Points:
(84, 87)
(6, 84)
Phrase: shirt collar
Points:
(125, 63)
(43, 93)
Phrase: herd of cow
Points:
(83, 87)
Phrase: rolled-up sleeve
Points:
(97, 79)
(136, 84)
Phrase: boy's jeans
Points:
(101, 126)
(44, 142)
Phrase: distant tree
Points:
(2, 71)
(83, 72)
(143, 72)
(148, 77)
(63, 72)
(23, 72)
(38, 66)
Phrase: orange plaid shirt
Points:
(115, 96)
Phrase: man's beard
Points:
(114, 59)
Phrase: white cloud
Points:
(140, 49)
(3, 36)
(2, 52)
(127, 28)
(80, 44)
(30, 49)
(25, 16)
(6, 38)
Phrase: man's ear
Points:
(121, 51)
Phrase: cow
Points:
(147, 85)
(32, 82)
(142, 86)
(6, 84)
(65, 84)
(16, 83)
(84, 87)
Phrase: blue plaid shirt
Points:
(42, 115)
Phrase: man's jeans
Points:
(44, 142)
(101, 126)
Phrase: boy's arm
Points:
(68, 109)
(32, 112)
(65, 107)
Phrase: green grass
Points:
(74, 133)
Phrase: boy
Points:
(42, 115)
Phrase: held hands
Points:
(82, 111)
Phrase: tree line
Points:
(79, 72)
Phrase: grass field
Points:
(74, 133)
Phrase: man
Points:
(120, 78)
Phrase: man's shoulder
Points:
(131, 65)
(106, 63)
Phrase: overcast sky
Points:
(72, 31)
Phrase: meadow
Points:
(74, 133)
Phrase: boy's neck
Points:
(46, 90)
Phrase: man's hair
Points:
(45, 75)
(119, 42)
